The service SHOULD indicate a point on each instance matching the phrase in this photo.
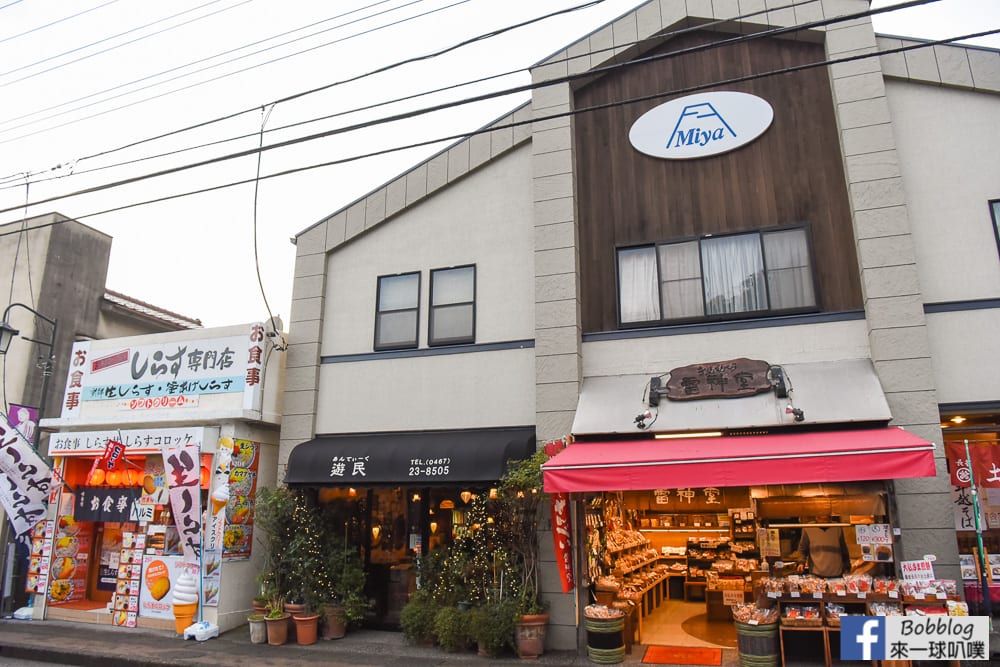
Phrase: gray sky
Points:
(79, 78)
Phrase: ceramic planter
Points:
(306, 628)
(277, 629)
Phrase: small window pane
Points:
(397, 329)
(680, 265)
(734, 274)
(638, 293)
(789, 274)
(453, 286)
(398, 292)
(452, 324)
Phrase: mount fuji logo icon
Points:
(701, 125)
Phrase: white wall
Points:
(965, 350)
(777, 345)
(476, 390)
(948, 141)
(486, 221)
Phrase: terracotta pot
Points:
(306, 629)
(258, 629)
(259, 607)
(277, 629)
(530, 635)
(334, 623)
(294, 610)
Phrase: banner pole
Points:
(981, 556)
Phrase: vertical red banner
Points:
(983, 461)
(563, 540)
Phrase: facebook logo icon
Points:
(862, 638)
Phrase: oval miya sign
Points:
(701, 125)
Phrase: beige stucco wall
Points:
(966, 351)
(482, 222)
(947, 140)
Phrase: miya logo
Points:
(701, 125)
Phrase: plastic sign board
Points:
(701, 125)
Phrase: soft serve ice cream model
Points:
(220, 498)
(185, 593)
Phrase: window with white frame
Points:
(715, 277)
(453, 306)
(397, 311)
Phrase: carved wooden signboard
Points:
(734, 378)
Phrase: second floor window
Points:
(453, 306)
(397, 312)
(715, 277)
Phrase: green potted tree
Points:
(340, 590)
(277, 622)
(451, 627)
(492, 626)
(520, 497)
(417, 618)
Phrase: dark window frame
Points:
(463, 340)
(379, 312)
(722, 317)
(995, 214)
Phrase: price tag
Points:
(753, 621)
(918, 596)
(842, 593)
(818, 595)
(894, 594)
(862, 594)
(794, 594)
(772, 594)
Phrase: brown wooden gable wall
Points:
(792, 174)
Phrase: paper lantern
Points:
(113, 478)
(96, 478)
(206, 475)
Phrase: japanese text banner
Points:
(981, 465)
(183, 469)
(562, 539)
(24, 479)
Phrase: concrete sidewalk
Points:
(108, 646)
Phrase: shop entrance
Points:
(103, 572)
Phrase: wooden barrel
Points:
(758, 644)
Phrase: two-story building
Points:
(748, 259)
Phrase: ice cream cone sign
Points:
(220, 498)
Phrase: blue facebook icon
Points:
(862, 638)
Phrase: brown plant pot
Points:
(259, 607)
(277, 630)
(294, 610)
(306, 628)
(334, 623)
(530, 635)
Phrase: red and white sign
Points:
(982, 464)
(563, 540)
(917, 571)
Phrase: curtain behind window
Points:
(639, 298)
(680, 264)
(789, 275)
(733, 274)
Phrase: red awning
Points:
(787, 458)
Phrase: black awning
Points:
(418, 458)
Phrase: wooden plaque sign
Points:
(734, 378)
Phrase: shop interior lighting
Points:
(957, 419)
(434, 527)
(447, 505)
(466, 496)
(352, 492)
(493, 493)
(416, 498)
(696, 434)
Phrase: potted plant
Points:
(451, 627)
(417, 618)
(277, 622)
(258, 628)
(521, 495)
(492, 627)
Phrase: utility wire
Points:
(117, 46)
(330, 85)
(479, 98)
(198, 71)
(56, 22)
(494, 128)
(325, 87)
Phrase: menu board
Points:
(238, 533)
(68, 567)
(129, 566)
(41, 553)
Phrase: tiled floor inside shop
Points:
(684, 624)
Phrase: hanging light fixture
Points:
(434, 527)
(494, 493)
(352, 492)
(415, 498)
(466, 496)
(447, 505)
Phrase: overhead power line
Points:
(56, 22)
(294, 96)
(487, 96)
(199, 71)
(407, 61)
(493, 128)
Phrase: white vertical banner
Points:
(215, 523)
(24, 479)
(256, 344)
(74, 380)
(183, 468)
